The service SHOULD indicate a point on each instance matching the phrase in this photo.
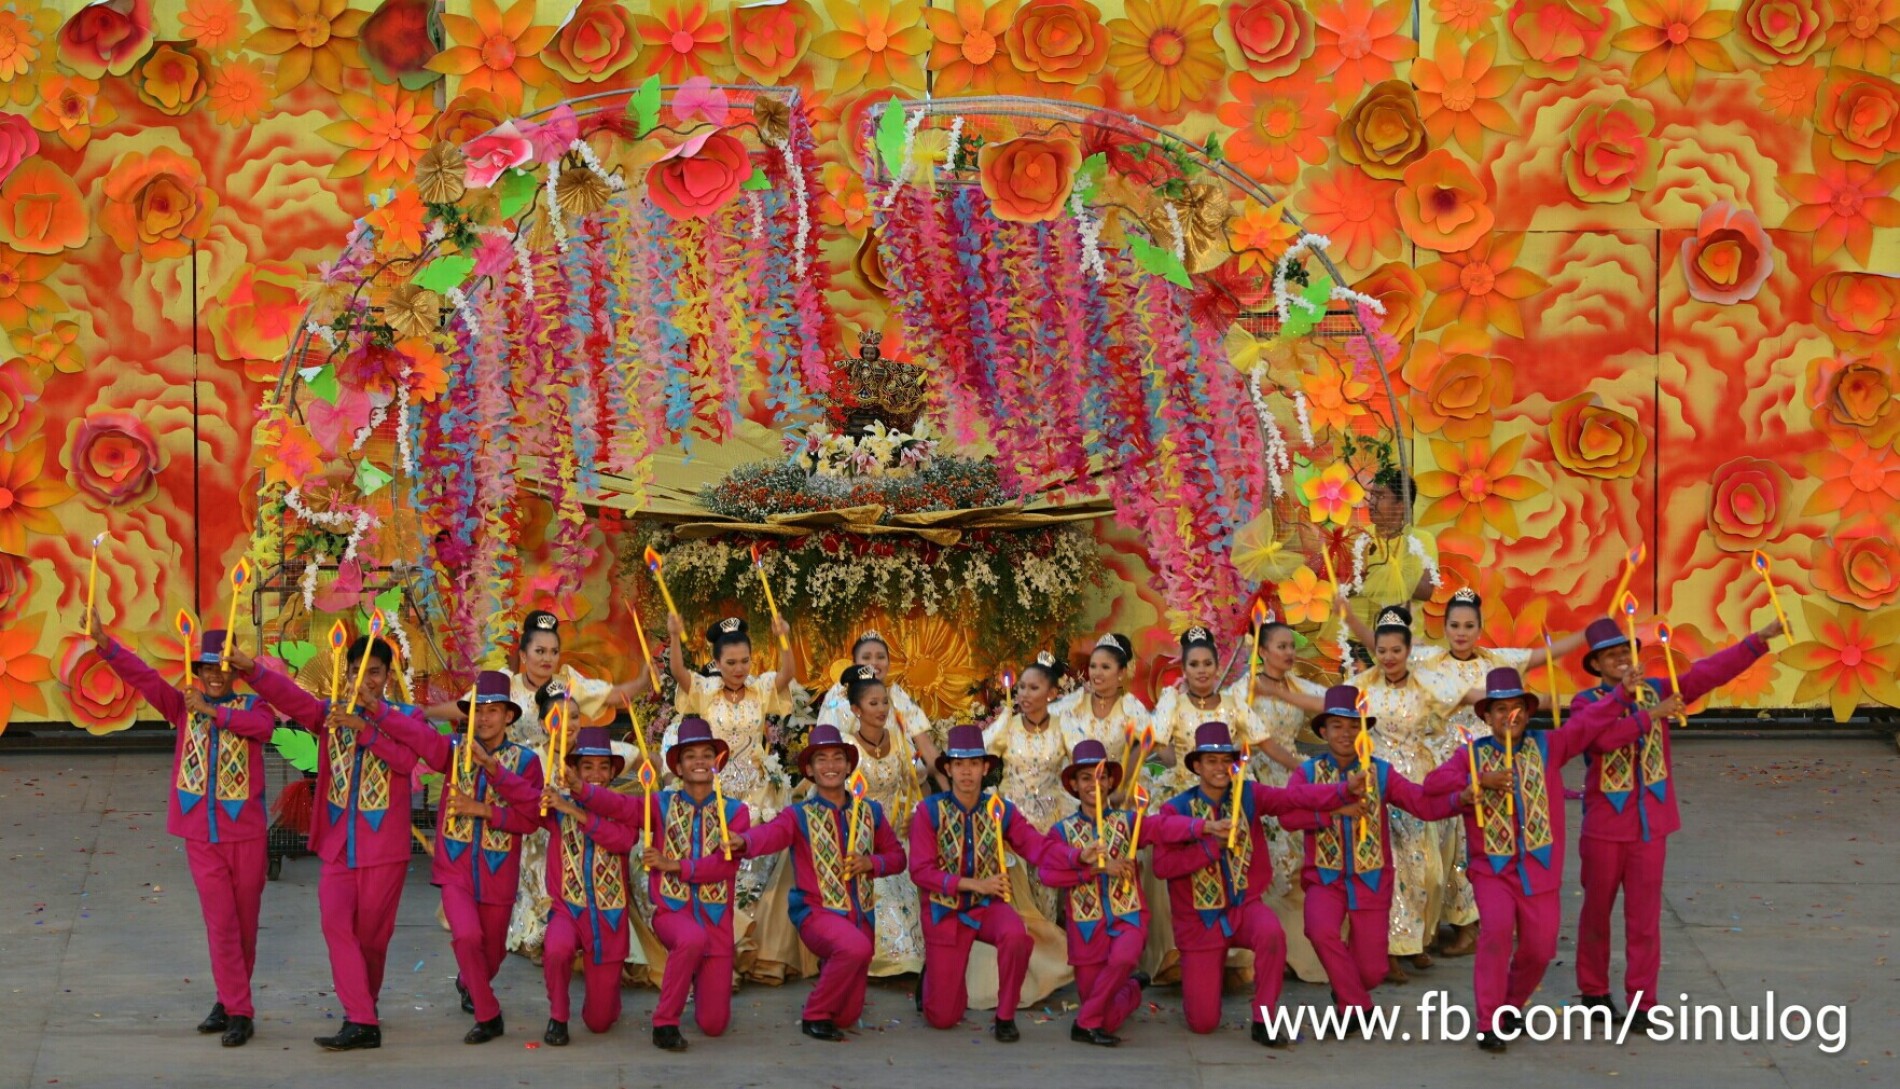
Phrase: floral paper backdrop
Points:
(1638, 257)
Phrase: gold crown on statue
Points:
(730, 623)
(1392, 618)
(884, 390)
(1464, 595)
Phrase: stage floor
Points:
(1786, 878)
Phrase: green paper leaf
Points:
(297, 747)
(389, 600)
(890, 135)
(296, 655)
(644, 106)
(1088, 177)
(1159, 261)
(324, 385)
(444, 273)
(758, 180)
(370, 479)
(517, 192)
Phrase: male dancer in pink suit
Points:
(360, 830)
(1516, 852)
(955, 862)
(1347, 871)
(1215, 893)
(836, 857)
(1629, 811)
(689, 880)
(1107, 919)
(217, 807)
(478, 841)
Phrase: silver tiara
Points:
(1109, 640)
(556, 690)
(1196, 634)
(545, 622)
(730, 623)
(1392, 618)
(860, 673)
(1045, 659)
(1464, 595)
(871, 636)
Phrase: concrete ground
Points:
(1785, 879)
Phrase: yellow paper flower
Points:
(1260, 554)
(1304, 598)
(1332, 495)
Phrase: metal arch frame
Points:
(1055, 110)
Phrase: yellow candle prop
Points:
(1629, 570)
(1009, 685)
(92, 577)
(240, 577)
(1761, 566)
(1550, 668)
(1139, 799)
(719, 799)
(567, 737)
(463, 770)
(1234, 791)
(549, 723)
(997, 813)
(1362, 748)
(758, 568)
(1477, 788)
(858, 789)
(1628, 602)
(646, 654)
(1510, 768)
(649, 782)
(186, 630)
(1253, 656)
(362, 664)
(1675, 684)
(1147, 746)
(654, 565)
(1101, 826)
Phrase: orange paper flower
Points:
(1861, 114)
(1730, 256)
(683, 39)
(1164, 53)
(1383, 133)
(173, 78)
(1028, 179)
(1610, 154)
(1458, 91)
(23, 295)
(1782, 31)
(41, 210)
(1789, 92)
(1274, 36)
(101, 702)
(69, 108)
(156, 205)
(1359, 41)
(596, 42)
(22, 671)
(1276, 126)
(1746, 496)
(496, 51)
(254, 313)
(1457, 394)
(1333, 495)
(216, 25)
(106, 37)
(1396, 285)
(1058, 41)
(876, 43)
(1591, 439)
(768, 40)
(384, 133)
(1852, 394)
(1442, 205)
(1841, 203)
(1353, 210)
(1480, 286)
(239, 94)
(1866, 34)
(399, 223)
(1674, 38)
(968, 54)
(22, 43)
(1863, 309)
(1335, 396)
(1856, 479)
(1258, 236)
(27, 495)
(309, 38)
(1854, 658)
(1555, 37)
(1475, 488)
(1859, 567)
(1304, 599)
(1465, 18)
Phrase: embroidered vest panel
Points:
(1211, 883)
(459, 830)
(1501, 832)
(1618, 770)
(955, 829)
(679, 842)
(828, 855)
(1368, 847)
(1086, 899)
(371, 780)
(584, 866)
(205, 745)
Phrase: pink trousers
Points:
(1635, 868)
(478, 933)
(600, 1007)
(947, 958)
(1517, 936)
(230, 880)
(1354, 964)
(359, 914)
(1106, 985)
(699, 962)
(846, 950)
(1202, 970)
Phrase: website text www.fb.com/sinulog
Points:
(1440, 1019)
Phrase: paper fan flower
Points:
(1260, 555)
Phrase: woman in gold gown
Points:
(893, 779)
(1103, 709)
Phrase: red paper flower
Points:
(1782, 31)
(684, 38)
(1851, 394)
(1274, 36)
(113, 457)
(1841, 203)
(106, 36)
(1276, 126)
(1442, 205)
(1610, 156)
(1058, 41)
(1555, 37)
(101, 703)
(1359, 41)
(698, 177)
(597, 41)
(1745, 500)
(396, 43)
(769, 40)
(1730, 256)
(1028, 179)
(1863, 309)
(494, 154)
(156, 204)
(16, 587)
(1591, 439)
(1861, 113)
(18, 142)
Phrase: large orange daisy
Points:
(1476, 488)
(1164, 53)
(496, 51)
(1458, 91)
(1482, 285)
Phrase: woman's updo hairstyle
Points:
(1467, 598)
(536, 622)
(1118, 646)
(858, 682)
(1049, 666)
(727, 632)
(1395, 620)
(1198, 636)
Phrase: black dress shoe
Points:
(1143, 980)
(668, 1038)
(353, 1037)
(1489, 1042)
(1511, 1023)
(920, 989)
(238, 1031)
(484, 1031)
(1095, 1036)
(556, 1035)
(1598, 1002)
(468, 1000)
(821, 1030)
(215, 1021)
(1264, 1036)
(1005, 1031)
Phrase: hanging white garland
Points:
(799, 201)
(1359, 547)
(955, 142)
(1430, 565)
(1306, 422)
(308, 582)
(556, 222)
(586, 151)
